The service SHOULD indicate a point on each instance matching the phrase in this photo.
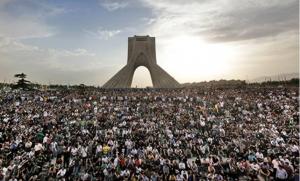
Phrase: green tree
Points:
(22, 82)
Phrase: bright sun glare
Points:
(188, 56)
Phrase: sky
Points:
(85, 41)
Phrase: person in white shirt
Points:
(53, 147)
(259, 155)
(85, 176)
(116, 162)
(149, 148)
(275, 163)
(28, 145)
(98, 149)
(38, 147)
(134, 151)
(281, 173)
(255, 166)
(45, 139)
(184, 174)
(181, 165)
(61, 173)
(179, 177)
(294, 149)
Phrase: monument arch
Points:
(141, 52)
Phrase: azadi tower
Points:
(141, 52)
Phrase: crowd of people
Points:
(148, 134)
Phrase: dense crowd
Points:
(146, 134)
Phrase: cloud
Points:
(103, 34)
(247, 35)
(8, 45)
(148, 20)
(256, 21)
(29, 21)
(43, 64)
(223, 21)
(24, 27)
(112, 5)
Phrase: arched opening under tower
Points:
(141, 78)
